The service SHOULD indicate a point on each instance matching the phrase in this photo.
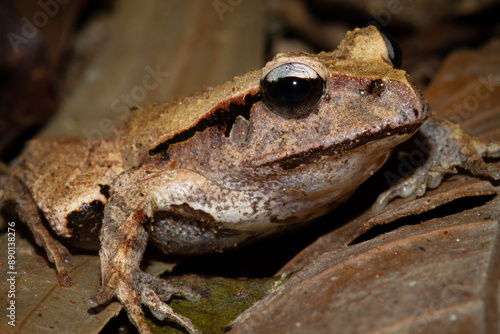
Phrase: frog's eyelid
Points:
(291, 69)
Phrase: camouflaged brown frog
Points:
(268, 150)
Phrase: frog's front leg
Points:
(12, 189)
(123, 242)
(451, 147)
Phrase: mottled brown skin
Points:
(214, 170)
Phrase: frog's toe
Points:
(452, 148)
(148, 290)
(416, 184)
(474, 162)
(163, 311)
(103, 296)
(154, 291)
(480, 167)
(488, 149)
(165, 290)
(494, 171)
(129, 297)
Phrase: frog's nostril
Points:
(377, 87)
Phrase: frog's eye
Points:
(292, 90)
(394, 50)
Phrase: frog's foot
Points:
(451, 147)
(140, 288)
(27, 210)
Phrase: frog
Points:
(263, 153)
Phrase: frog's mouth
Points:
(313, 155)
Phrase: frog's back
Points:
(65, 174)
(155, 124)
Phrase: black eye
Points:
(394, 50)
(292, 90)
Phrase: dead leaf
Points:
(437, 277)
(41, 304)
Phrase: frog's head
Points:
(336, 101)
(301, 134)
(327, 122)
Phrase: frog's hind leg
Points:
(12, 189)
(123, 242)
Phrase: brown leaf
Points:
(39, 300)
(41, 303)
(437, 277)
